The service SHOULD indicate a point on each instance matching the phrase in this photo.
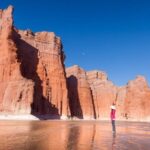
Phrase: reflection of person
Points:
(112, 116)
(114, 142)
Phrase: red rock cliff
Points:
(16, 91)
(32, 76)
(103, 91)
(93, 92)
(33, 80)
(136, 101)
(80, 97)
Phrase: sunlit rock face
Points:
(103, 91)
(32, 75)
(120, 103)
(137, 100)
(80, 97)
(16, 91)
(132, 101)
(33, 80)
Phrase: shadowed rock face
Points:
(32, 77)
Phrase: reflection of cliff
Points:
(81, 136)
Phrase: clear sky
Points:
(108, 35)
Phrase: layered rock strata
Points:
(33, 81)
(32, 76)
(103, 91)
(132, 101)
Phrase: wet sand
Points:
(73, 135)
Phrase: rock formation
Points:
(90, 92)
(104, 93)
(135, 100)
(33, 81)
(32, 75)
(16, 91)
(132, 101)
(80, 97)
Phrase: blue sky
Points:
(108, 35)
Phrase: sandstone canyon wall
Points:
(80, 97)
(16, 91)
(92, 91)
(32, 75)
(132, 101)
(104, 93)
(33, 80)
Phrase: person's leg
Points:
(113, 126)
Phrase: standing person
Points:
(112, 116)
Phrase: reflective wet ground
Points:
(73, 135)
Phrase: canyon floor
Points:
(73, 135)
